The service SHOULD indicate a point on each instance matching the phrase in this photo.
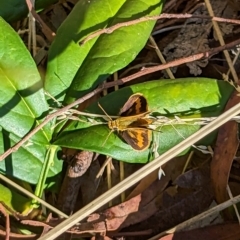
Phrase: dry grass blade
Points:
(143, 172)
(31, 195)
(221, 40)
(199, 217)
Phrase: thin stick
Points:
(154, 18)
(197, 218)
(175, 63)
(122, 176)
(45, 29)
(104, 112)
(141, 173)
(121, 163)
(100, 172)
(31, 195)
(221, 40)
(234, 205)
(109, 179)
(118, 82)
(161, 57)
(48, 119)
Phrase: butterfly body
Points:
(124, 123)
(132, 125)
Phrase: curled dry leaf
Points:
(226, 147)
(221, 231)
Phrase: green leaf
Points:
(22, 108)
(83, 67)
(22, 100)
(26, 163)
(16, 202)
(190, 98)
(13, 10)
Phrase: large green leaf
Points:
(83, 67)
(13, 10)
(22, 107)
(193, 98)
(15, 201)
(26, 163)
(22, 100)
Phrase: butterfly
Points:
(133, 123)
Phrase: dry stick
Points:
(32, 42)
(173, 21)
(154, 18)
(234, 205)
(48, 119)
(197, 218)
(45, 29)
(109, 179)
(160, 56)
(221, 40)
(7, 224)
(140, 174)
(178, 62)
(118, 82)
(31, 195)
(121, 163)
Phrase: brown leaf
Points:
(226, 147)
(226, 231)
(71, 184)
(172, 169)
(194, 178)
(17, 236)
(176, 208)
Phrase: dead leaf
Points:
(226, 231)
(71, 184)
(175, 208)
(226, 147)
(194, 178)
(172, 169)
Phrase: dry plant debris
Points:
(191, 183)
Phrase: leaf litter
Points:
(154, 205)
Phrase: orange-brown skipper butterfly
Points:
(132, 125)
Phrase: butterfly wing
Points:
(132, 124)
(136, 104)
(138, 138)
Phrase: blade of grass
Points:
(141, 173)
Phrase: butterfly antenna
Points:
(104, 111)
(107, 137)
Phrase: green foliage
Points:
(71, 68)
(75, 70)
(14, 200)
(13, 10)
(22, 107)
(188, 98)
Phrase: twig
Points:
(177, 62)
(7, 224)
(160, 56)
(221, 40)
(188, 223)
(140, 174)
(173, 21)
(48, 119)
(154, 18)
(234, 205)
(45, 29)
(31, 195)
(114, 83)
